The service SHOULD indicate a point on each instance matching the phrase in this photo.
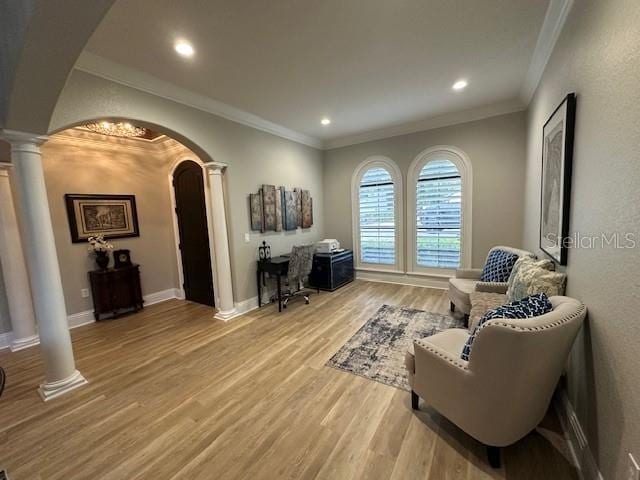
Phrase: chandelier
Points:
(119, 129)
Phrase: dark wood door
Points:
(188, 184)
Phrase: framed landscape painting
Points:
(557, 157)
(113, 216)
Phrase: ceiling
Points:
(365, 64)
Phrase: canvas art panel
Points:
(255, 208)
(299, 205)
(268, 208)
(113, 216)
(291, 210)
(307, 209)
(557, 151)
(279, 209)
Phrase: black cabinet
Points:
(331, 270)
(116, 291)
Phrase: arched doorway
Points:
(194, 248)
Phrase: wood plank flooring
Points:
(174, 394)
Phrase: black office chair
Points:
(3, 377)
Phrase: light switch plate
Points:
(84, 293)
(247, 238)
(634, 469)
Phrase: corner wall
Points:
(598, 57)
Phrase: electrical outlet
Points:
(84, 293)
(634, 470)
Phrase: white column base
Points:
(22, 343)
(49, 391)
(227, 315)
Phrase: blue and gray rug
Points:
(377, 350)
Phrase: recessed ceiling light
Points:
(184, 48)
(460, 84)
(325, 121)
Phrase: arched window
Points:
(377, 215)
(440, 211)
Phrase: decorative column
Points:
(14, 270)
(61, 375)
(224, 287)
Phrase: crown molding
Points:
(554, 21)
(131, 77)
(430, 123)
(74, 137)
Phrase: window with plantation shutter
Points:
(376, 199)
(438, 215)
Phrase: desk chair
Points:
(300, 264)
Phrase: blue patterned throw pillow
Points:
(498, 267)
(531, 306)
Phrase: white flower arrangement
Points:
(99, 244)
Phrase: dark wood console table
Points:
(116, 291)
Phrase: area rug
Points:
(377, 350)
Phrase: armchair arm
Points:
(469, 273)
(439, 370)
(492, 287)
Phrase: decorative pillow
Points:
(531, 306)
(534, 276)
(498, 267)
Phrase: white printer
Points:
(328, 245)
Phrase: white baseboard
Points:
(576, 439)
(81, 318)
(246, 305)
(84, 318)
(5, 340)
(163, 296)
(440, 283)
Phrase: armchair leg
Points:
(452, 306)
(493, 455)
(414, 400)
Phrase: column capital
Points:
(23, 141)
(215, 168)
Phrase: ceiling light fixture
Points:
(460, 85)
(116, 129)
(184, 48)
(325, 121)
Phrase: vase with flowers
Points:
(100, 247)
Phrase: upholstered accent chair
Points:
(468, 280)
(504, 390)
(300, 266)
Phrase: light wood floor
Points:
(175, 394)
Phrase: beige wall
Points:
(111, 166)
(254, 157)
(496, 148)
(598, 57)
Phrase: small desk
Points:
(277, 266)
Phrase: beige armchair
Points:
(468, 280)
(504, 390)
